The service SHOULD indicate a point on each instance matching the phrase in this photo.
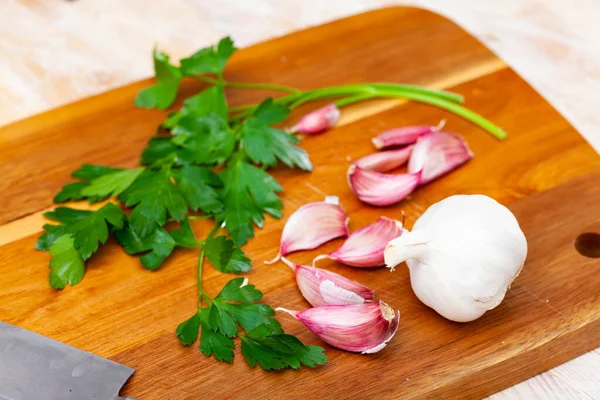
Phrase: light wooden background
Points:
(56, 51)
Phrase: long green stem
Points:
(359, 92)
(200, 291)
(458, 110)
(265, 86)
(346, 101)
(210, 235)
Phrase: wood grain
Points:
(128, 314)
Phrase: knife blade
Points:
(34, 367)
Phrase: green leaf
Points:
(88, 172)
(204, 140)
(269, 112)
(67, 215)
(155, 198)
(93, 171)
(225, 257)
(163, 93)
(209, 101)
(111, 184)
(198, 187)
(212, 342)
(67, 266)
(94, 229)
(266, 357)
(222, 321)
(87, 228)
(210, 59)
(275, 350)
(158, 245)
(265, 145)
(159, 149)
(234, 291)
(187, 331)
(185, 236)
(249, 192)
(250, 316)
(71, 191)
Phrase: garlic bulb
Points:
(463, 253)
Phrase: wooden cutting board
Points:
(547, 174)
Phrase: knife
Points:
(34, 367)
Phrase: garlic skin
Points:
(360, 328)
(385, 161)
(318, 121)
(364, 248)
(378, 189)
(438, 153)
(321, 287)
(403, 135)
(463, 253)
(312, 225)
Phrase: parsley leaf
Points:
(209, 59)
(88, 228)
(274, 350)
(184, 236)
(265, 144)
(76, 239)
(158, 245)
(159, 149)
(249, 192)
(236, 304)
(204, 140)
(87, 172)
(209, 101)
(187, 331)
(67, 265)
(198, 185)
(154, 197)
(163, 93)
(93, 171)
(212, 342)
(225, 257)
(111, 184)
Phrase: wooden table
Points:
(65, 51)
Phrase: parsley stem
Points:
(239, 85)
(216, 228)
(358, 92)
(346, 101)
(457, 109)
(200, 291)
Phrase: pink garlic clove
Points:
(385, 161)
(318, 121)
(365, 247)
(438, 153)
(379, 189)
(312, 225)
(403, 136)
(321, 287)
(361, 328)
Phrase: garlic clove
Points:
(438, 153)
(360, 328)
(318, 121)
(463, 254)
(364, 248)
(385, 161)
(321, 287)
(312, 225)
(404, 135)
(379, 189)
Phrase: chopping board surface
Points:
(545, 172)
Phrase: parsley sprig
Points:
(208, 161)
